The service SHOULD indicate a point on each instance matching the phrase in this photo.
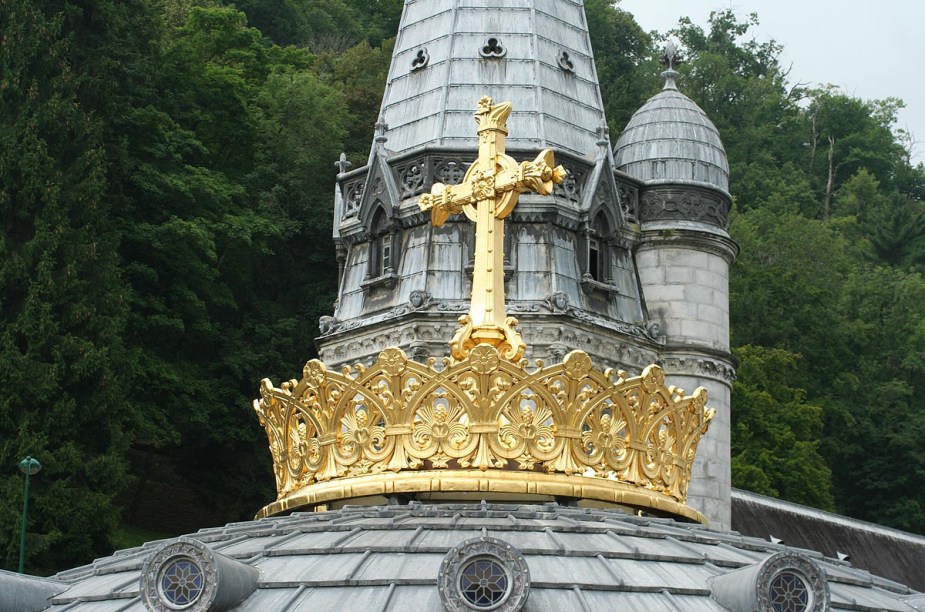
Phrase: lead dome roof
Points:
(389, 558)
(670, 139)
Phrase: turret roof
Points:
(671, 139)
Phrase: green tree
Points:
(739, 83)
(786, 288)
(775, 432)
(68, 71)
(228, 252)
(314, 23)
(897, 233)
(846, 134)
(875, 429)
(360, 74)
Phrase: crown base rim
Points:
(468, 481)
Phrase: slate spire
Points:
(537, 55)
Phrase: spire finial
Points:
(342, 164)
(670, 59)
(381, 128)
(603, 133)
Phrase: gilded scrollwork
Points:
(392, 361)
(483, 412)
(603, 439)
(360, 433)
(440, 432)
(527, 425)
(484, 359)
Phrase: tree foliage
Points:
(63, 301)
(775, 432)
(166, 206)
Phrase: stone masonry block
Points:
(708, 278)
(659, 294)
(682, 275)
(700, 330)
(719, 265)
(685, 257)
(648, 258)
(711, 314)
(683, 311)
(651, 276)
(672, 325)
(699, 295)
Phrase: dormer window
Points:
(381, 238)
(383, 258)
(597, 260)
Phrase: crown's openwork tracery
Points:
(483, 422)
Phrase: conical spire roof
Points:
(536, 55)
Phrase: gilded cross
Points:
(487, 195)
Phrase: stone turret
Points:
(683, 256)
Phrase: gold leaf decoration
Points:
(598, 430)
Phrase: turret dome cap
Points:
(670, 139)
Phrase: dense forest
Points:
(166, 190)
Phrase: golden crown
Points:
(482, 423)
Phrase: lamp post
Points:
(29, 467)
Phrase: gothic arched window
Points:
(383, 255)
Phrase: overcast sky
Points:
(871, 49)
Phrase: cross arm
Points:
(538, 176)
(444, 201)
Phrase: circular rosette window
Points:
(180, 583)
(484, 574)
(790, 582)
(788, 592)
(179, 576)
